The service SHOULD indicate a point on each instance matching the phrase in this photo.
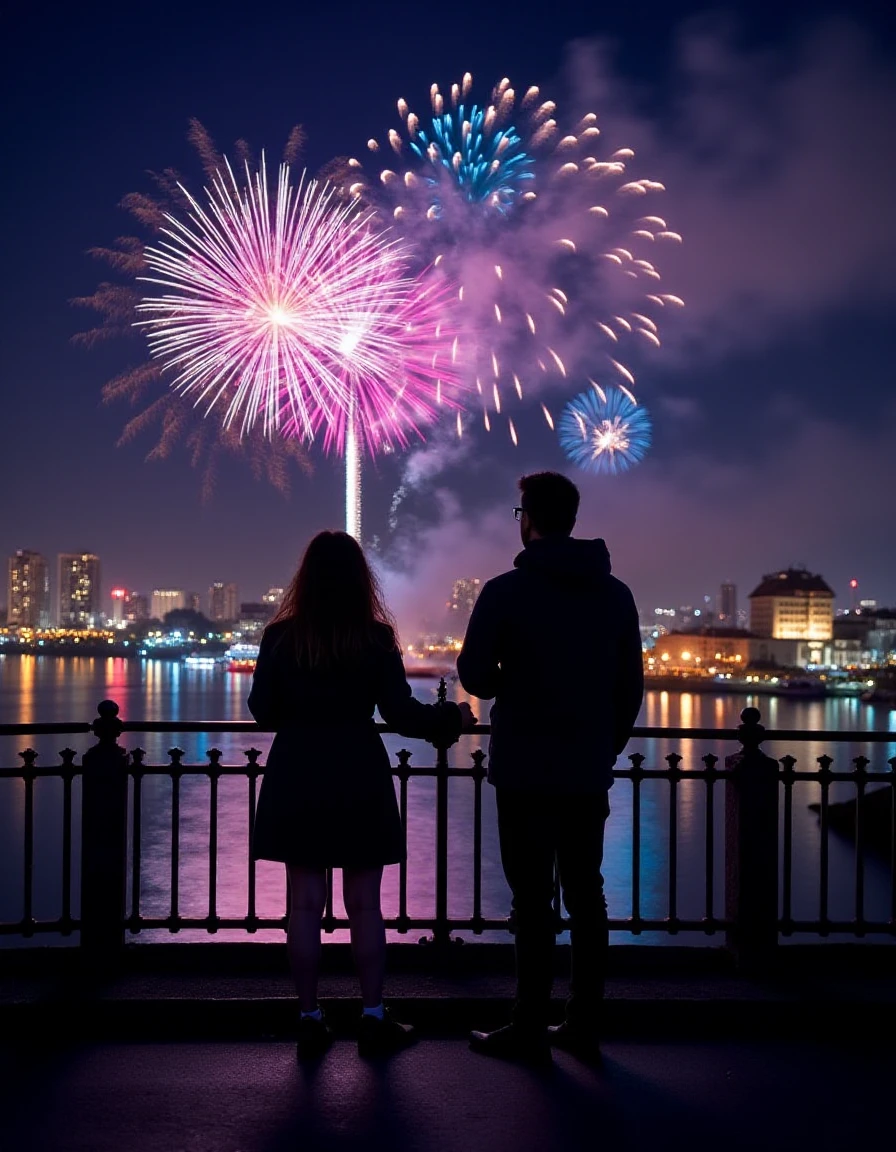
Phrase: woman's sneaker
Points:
(378, 1037)
(314, 1037)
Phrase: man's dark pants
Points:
(534, 828)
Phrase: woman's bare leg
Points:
(307, 898)
(361, 895)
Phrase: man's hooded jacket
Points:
(556, 644)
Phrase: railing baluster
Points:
(175, 755)
(28, 758)
(252, 755)
(637, 761)
(137, 756)
(68, 771)
(709, 763)
(892, 763)
(673, 760)
(788, 763)
(824, 776)
(214, 772)
(861, 764)
(478, 774)
(403, 757)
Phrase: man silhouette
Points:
(555, 642)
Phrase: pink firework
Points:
(300, 312)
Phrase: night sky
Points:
(771, 127)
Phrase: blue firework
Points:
(488, 164)
(605, 430)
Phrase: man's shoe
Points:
(314, 1038)
(382, 1037)
(579, 1040)
(513, 1043)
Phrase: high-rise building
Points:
(792, 604)
(223, 602)
(79, 595)
(727, 607)
(28, 605)
(119, 598)
(166, 600)
(136, 607)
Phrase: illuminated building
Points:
(119, 596)
(78, 592)
(273, 596)
(705, 651)
(223, 602)
(792, 604)
(253, 617)
(28, 590)
(165, 600)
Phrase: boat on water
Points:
(241, 657)
(806, 688)
(204, 660)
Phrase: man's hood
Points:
(565, 557)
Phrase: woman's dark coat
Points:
(327, 797)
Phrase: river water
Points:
(43, 689)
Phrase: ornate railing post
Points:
(751, 848)
(104, 817)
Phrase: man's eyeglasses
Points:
(517, 513)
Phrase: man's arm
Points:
(479, 659)
(630, 676)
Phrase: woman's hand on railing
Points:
(468, 720)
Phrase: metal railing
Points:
(757, 840)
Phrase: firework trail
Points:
(211, 447)
(552, 245)
(296, 310)
(604, 431)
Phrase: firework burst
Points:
(296, 310)
(604, 431)
(551, 243)
(211, 447)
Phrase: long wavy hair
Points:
(335, 605)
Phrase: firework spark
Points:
(605, 430)
(552, 245)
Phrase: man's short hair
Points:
(551, 502)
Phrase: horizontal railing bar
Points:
(813, 774)
(486, 924)
(249, 726)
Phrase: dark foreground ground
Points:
(203, 1060)
(253, 1097)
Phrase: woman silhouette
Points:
(328, 658)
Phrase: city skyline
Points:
(770, 399)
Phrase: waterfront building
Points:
(28, 590)
(165, 600)
(703, 650)
(79, 599)
(223, 602)
(792, 604)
